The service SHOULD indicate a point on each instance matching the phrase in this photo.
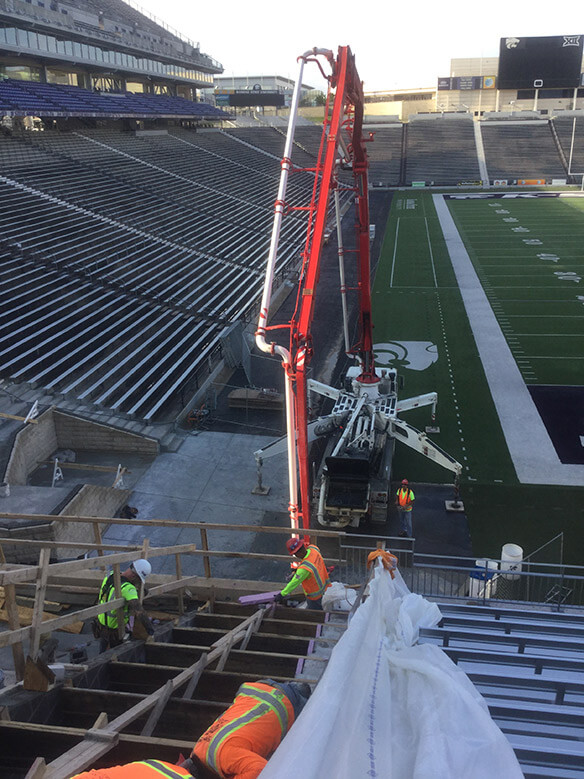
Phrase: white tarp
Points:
(388, 707)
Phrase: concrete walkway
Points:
(210, 480)
(533, 454)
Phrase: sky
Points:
(401, 45)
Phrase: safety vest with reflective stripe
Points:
(405, 498)
(138, 770)
(269, 699)
(106, 593)
(164, 769)
(318, 581)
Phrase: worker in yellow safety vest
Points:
(107, 623)
(404, 499)
(311, 573)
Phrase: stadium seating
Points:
(36, 99)
(385, 154)
(521, 150)
(527, 664)
(127, 256)
(564, 125)
(442, 150)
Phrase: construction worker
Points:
(240, 742)
(404, 500)
(145, 769)
(108, 621)
(312, 573)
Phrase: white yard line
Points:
(431, 253)
(394, 252)
(530, 447)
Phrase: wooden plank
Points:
(48, 605)
(4, 415)
(205, 546)
(101, 720)
(7, 728)
(39, 599)
(25, 618)
(37, 770)
(120, 618)
(29, 573)
(83, 755)
(181, 599)
(12, 616)
(98, 540)
(156, 712)
(173, 523)
(34, 542)
(84, 466)
(194, 680)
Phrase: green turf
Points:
(416, 298)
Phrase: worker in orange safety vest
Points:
(145, 769)
(240, 742)
(311, 573)
(404, 499)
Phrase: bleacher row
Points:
(443, 151)
(122, 259)
(53, 100)
(528, 666)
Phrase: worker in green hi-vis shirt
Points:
(312, 573)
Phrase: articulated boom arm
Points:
(347, 115)
(342, 131)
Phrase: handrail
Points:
(167, 523)
(29, 573)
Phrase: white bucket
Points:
(511, 559)
(480, 581)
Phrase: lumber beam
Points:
(96, 743)
(13, 617)
(173, 523)
(28, 573)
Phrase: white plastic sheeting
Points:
(388, 707)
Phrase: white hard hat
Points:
(142, 568)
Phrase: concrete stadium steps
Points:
(529, 666)
(521, 150)
(272, 141)
(385, 154)
(57, 720)
(442, 150)
(565, 126)
(20, 397)
(124, 256)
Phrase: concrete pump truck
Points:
(353, 483)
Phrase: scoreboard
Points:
(548, 62)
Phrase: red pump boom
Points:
(342, 132)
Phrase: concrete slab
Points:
(32, 500)
(176, 476)
(210, 480)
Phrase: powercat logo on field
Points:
(414, 355)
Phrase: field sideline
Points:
(421, 327)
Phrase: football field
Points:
(528, 269)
